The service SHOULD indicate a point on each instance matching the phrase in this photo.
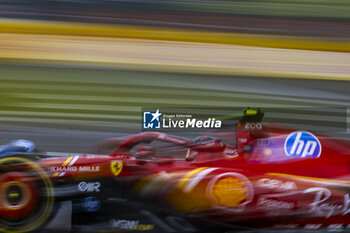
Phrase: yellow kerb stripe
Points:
(67, 161)
(187, 177)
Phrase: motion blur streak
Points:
(75, 72)
(92, 65)
(184, 56)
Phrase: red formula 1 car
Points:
(269, 177)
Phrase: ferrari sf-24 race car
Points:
(269, 177)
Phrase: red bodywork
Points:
(251, 183)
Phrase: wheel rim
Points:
(18, 196)
(22, 208)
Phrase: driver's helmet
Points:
(18, 146)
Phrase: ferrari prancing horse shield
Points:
(116, 167)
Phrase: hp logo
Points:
(302, 144)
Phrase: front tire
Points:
(26, 195)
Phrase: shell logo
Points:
(231, 190)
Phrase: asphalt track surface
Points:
(77, 136)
